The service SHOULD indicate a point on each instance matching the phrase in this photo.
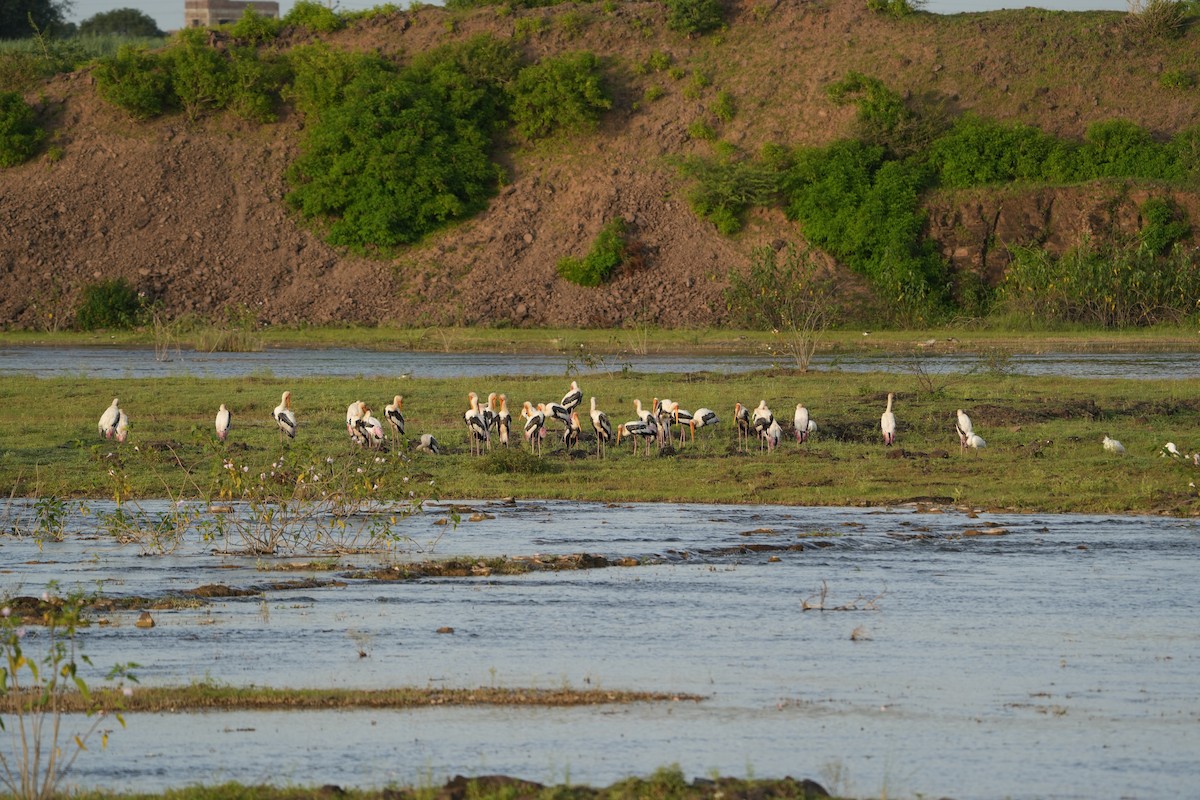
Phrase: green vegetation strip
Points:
(1043, 436)
(667, 783)
(209, 697)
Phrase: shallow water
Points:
(1056, 660)
(120, 362)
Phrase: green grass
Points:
(209, 696)
(56, 451)
(1016, 337)
(667, 783)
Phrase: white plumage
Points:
(284, 417)
(223, 421)
(887, 422)
(1113, 446)
(108, 420)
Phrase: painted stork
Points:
(223, 421)
(800, 421)
(108, 420)
(773, 435)
(372, 428)
(428, 444)
(284, 417)
(639, 429)
(962, 424)
(122, 429)
(572, 433)
(503, 421)
(1113, 446)
(394, 413)
(477, 430)
(558, 412)
(354, 422)
(490, 413)
(702, 417)
(761, 420)
(573, 397)
(535, 426)
(741, 416)
(602, 427)
(976, 442)
(887, 423)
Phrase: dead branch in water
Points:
(816, 602)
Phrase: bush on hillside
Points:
(562, 94)
(20, 135)
(979, 152)
(1164, 224)
(694, 17)
(865, 210)
(321, 74)
(137, 81)
(255, 84)
(317, 17)
(607, 254)
(725, 188)
(254, 28)
(199, 74)
(883, 116)
(396, 153)
(108, 304)
(895, 8)
(1118, 148)
(1158, 19)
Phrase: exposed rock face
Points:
(195, 217)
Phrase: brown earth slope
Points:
(194, 214)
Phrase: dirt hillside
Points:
(194, 215)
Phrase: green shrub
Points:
(677, 73)
(317, 17)
(1177, 79)
(108, 304)
(701, 130)
(1112, 286)
(200, 74)
(895, 8)
(137, 81)
(526, 28)
(1118, 148)
(1163, 225)
(696, 86)
(396, 153)
(20, 135)
(606, 255)
(857, 205)
(658, 61)
(254, 28)
(883, 117)
(694, 17)
(979, 152)
(254, 84)
(572, 23)
(724, 108)
(1157, 19)
(724, 188)
(653, 93)
(321, 74)
(561, 94)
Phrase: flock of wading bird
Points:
(491, 422)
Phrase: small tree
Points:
(33, 691)
(121, 21)
(786, 294)
(20, 135)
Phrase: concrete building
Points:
(207, 13)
